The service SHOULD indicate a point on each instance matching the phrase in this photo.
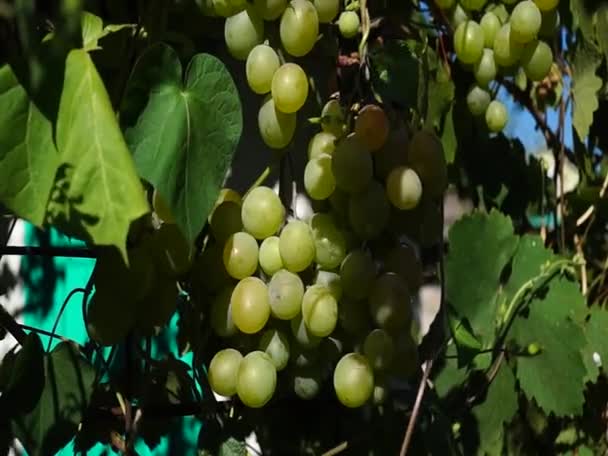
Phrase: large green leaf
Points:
(596, 352)
(67, 390)
(104, 194)
(585, 87)
(185, 137)
(28, 159)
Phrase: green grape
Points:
(402, 260)
(332, 118)
(221, 313)
(327, 10)
(546, 5)
(353, 316)
(525, 21)
(403, 188)
(357, 272)
(303, 357)
(330, 245)
(289, 88)
(227, 8)
(472, 5)
(256, 379)
(468, 42)
(353, 380)
(223, 371)
(496, 116)
(262, 212)
(536, 60)
(405, 362)
(445, 4)
(172, 250)
(331, 281)
(427, 159)
(478, 100)
(241, 255)
(458, 16)
(302, 334)
(352, 165)
(161, 208)
(319, 310)
(262, 64)
(242, 32)
(369, 211)
(299, 27)
(319, 180)
(549, 23)
(348, 24)
(285, 291)
(490, 24)
(276, 345)
(270, 9)
(380, 392)
(506, 50)
(307, 381)
(297, 246)
(389, 302)
(485, 70)
(372, 127)
(321, 143)
(338, 201)
(225, 220)
(269, 256)
(379, 349)
(250, 305)
(276, 127)
(394, 152)
(209, 269)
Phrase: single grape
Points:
(403, 261)
(330, 245)
(369, 211)
(468, 42)
(270, 9)
(227, 8)
(225, 220)
(348, 24)
(478, 100)
(525, 21)
(353, 380)
(472, 5)
(262, 212)
(302, 334)
(289, 88)
(536, 60)
(546, 5)
(285, 291)
(276, 345)
(330, 280)
(241, 255)
(327, 10)
(269, 256)
(353, 316)
(332, 118)
(276, 127)
(496, 116)
(161, 208)
(262, 64)
(506, 50)
(299, 27)
(321, 143)
(256, 379)
(549, 23)
(250, 305)
(389, 302)
(223, 371)
(457, 16)
(352, 165)
(319, 310)
(221, 313)
(357, 272)
(228, 194)
(319, 180)
(394, 152)
(297, 246)
(403, 188)
(490, 24)
(379, 349)
(242, 32)
(427, 159)
(485, 69)
(372, 127)
(307, 381)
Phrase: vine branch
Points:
(73, 252)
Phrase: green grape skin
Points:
(549, 23)
(299, 27)
(276, 127)
(357, 272)
(496, 116)
(353, 380)
(393, 154)
(468, 42)
(405, 362)
(161, 208)
(506, 50)
(490, 24)
(256, 379)
(389, 302)
(327, 10)
(322, 143)
(369, 211)
(276, 345)
(285, 291)
(227, 8)
(270, 9)
(330, 280)
(379, 349)
(473, 5)
(403, 261)
(250, 305)
(262, 212)
(348, 24)
(445, 4)
(319, 180)
(546, 5)
(352, 165)
(403, 188)
(525, 22)
(427, 159)
(536, 60)
(372, 127)
(297, 246)
(241, 255)
(262, 64)
(478, 100)
(332, 118)
(457, 16)
(242, 32)
(485, 69)
(221, 313)
(380, 393)
(353, 316)
(223, 371)
(269, 256)
(289, 88)
(307, 381)
(302, 334)
(330, 245)
(319, 310)
(225, 220)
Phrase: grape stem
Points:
(414, 416)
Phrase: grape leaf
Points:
(585, 86)
(104, 194)
(448, 137)
(185, 137)
(93, 30)
(28, 158)
(596, 351)
(449, 376)
(68, 386)
(481, 244)
(233, 447)
(554, 377)
(601, 27)
(582, 18)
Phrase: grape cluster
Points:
(504, 40)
